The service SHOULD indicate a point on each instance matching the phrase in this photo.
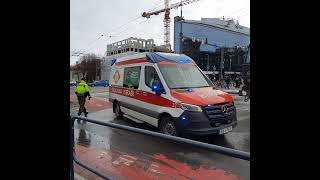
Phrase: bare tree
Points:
(89, 66)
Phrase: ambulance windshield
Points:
(183, 76)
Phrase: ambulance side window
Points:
(150, 75)
(131, 77)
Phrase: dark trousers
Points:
(82, 102)
(237, 84)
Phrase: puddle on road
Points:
(190, 159)
(89, 139)
(157, 166)
(155, 158)
(183, 170)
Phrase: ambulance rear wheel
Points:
(117, 110)
(167, 126)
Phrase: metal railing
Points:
(210, 147)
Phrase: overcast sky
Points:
(91, 18)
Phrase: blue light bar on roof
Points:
(113, 61)
(155, 57)
(183, 60)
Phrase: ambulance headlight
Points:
(190, 107)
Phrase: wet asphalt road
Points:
(101, 137)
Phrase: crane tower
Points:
(166, 19)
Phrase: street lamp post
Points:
(208, 63)
(214, 72)
(181, 31)
(230, 63)
(222, 63)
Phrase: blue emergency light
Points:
(183, 60)
(113, 61)
(155, 87)
(184, 117)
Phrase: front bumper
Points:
(207, 131)
(198, 124)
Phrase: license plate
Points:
(225, 130)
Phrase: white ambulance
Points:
(169, 91)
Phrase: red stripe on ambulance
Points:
(169, 62)
(132, 61)
(144, 96)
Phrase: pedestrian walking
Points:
(246, 87)
(82, 91)
(237, 80)
(228, 82)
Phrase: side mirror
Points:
(156, 87)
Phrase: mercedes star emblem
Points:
(224, 109)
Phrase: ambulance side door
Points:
(150, 101)
(131, 90)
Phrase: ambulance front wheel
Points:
(167, 126)
(117, 110)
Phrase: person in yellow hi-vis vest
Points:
(82, 91)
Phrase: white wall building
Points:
(124, 48)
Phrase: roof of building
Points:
(229, 24)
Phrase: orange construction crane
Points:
(166, 19)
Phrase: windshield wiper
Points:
(202, 86)
(189, 87)
(180, 88)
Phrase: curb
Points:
(232, 92)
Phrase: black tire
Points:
(167, 126)
(117, 110)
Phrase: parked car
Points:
(99, 83)
(73, 83)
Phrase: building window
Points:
(131, 77)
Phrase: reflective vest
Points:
(82, 88)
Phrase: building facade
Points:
(124, 48)
(218, 46)
(133, 44)
(106, 64)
